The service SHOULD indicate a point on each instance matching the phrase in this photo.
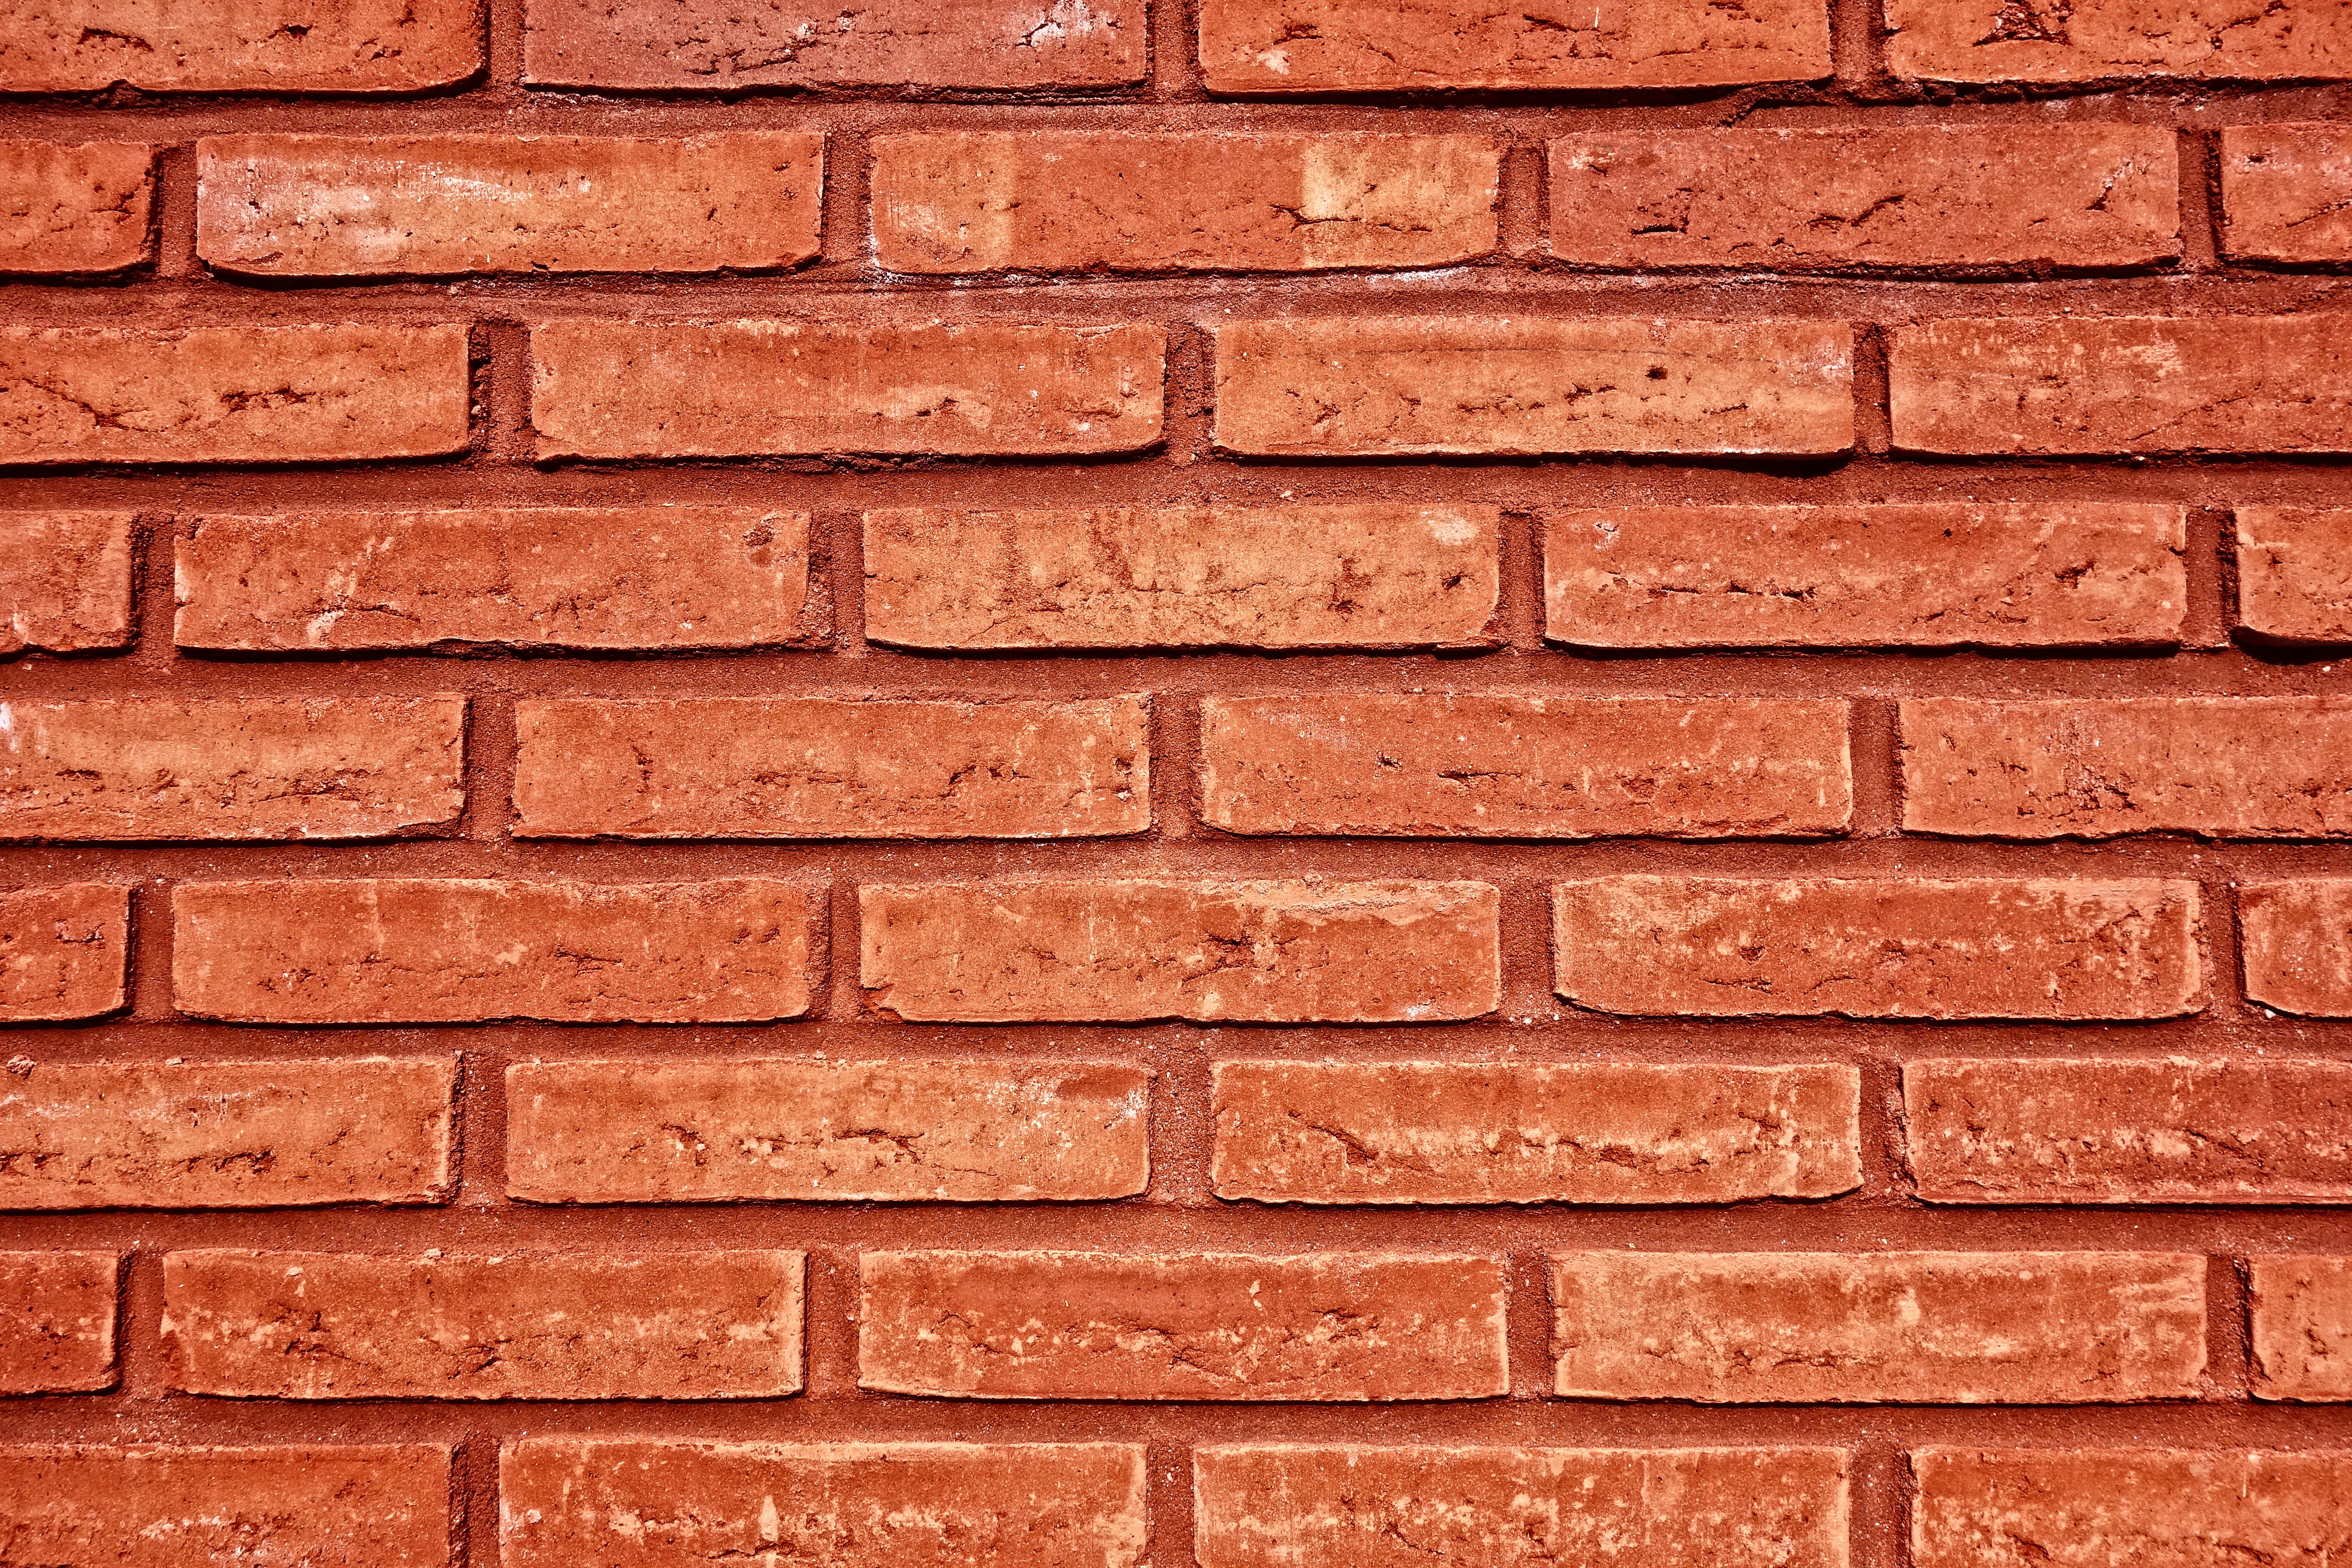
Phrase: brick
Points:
(57, 1323)
(215, 1134)
(2302, 1327)
(364, 206)
(1285, 1505)
(710, 46)
(65, 951)
(2055, 41)
(240, 45)
(1880, 948)
(2129, 1508)
(2121, 1131)
(2286, 192)
(1936, 1328)
(1327, 1326)
(232, 394)
(1373, 576)
(2045, 386)
(1966, 198)
(2078, 574)
(1481, 765)
(642, 1504)
(1187, 201)
(246, 767)
(2229, 767)
(65, 581)
(316, 1505)
(771, 1130)
(821, 767)
(422, 951)
(329, 1325)
(2295, 939)
(2294, 573)
(1476, 386)
(1366, 46)
(649, 577)
(1579, 1132)
(74, 207)
(748, 388)
(1120, 952)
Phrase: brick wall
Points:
(1056, 784)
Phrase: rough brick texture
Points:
(65, 581)
(56, 1321)
(64, 952)
(2294, 573)
(2081, 41)
(2293, 937)
(2303, 1328)
(74, 207)
(240, 45)
(2286, 192)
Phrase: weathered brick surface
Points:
(1224, 1326)
(1120, 950)
(1583, 1132)
(2080, 573)
(1204, 201)
(240, 45)
(226, 1134)
(766, 1129)
(1880, 948)
(1382, 386)
(2286, 192)
(1373, 576)
(821, 767)
(254, 767)
(1524, 767)
(65, 581)
(686, 389)
(577, 577)
(1942, 1327)
(2294, 573)
(609, 1325)
(344, 206)
(74, 207)
(422, 951)
(57, 1323)
(2069, 41)
(64, 952)
(1951, 197)
(2295, 939)
(2121, 1131)
(2302, 1327)
(1316, 1506)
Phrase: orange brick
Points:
(74, 207)
(2294, 573)
(2074, 41)
(240, 45)
(2295, 939)
(65, 581)
(57, 1323)
(2302, 1327)
(2286, 192)
(64, 952)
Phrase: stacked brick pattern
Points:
(1066, 782)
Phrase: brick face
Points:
(56, 1321)
(64, 952)
(2302, 1328)
(2294, 573)
(2114, 41)
(2292, 936)
(65, 581)
(241, 46)
(75, 208)
(2286, 192)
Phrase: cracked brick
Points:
(2286, 192)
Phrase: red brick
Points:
(1478, 765)
(359, 206)
(1119, 951)
(745, 388)
(232, 394)
(2297, 943)
(2077, 575)
(625, 1503)
(1581, 1132)
(1880, 948)
(1367, 46)
(2129, 1508)
(327, 1325)
(1282, 1505)
(65, 951)
(770, 1129)
(2055, 41)
(1937, 1327)
(2230, 767)
(1330, 1326)
(710, 46)
(248, 767)
(74, 207)
(215, 1134)
(2303, 1328)
(320, 1505)
(1954, 197)
(1472, 385)
(1184, 202)
(417, 951)
(1373, 576)
(819, 767)
(2286, 192)
(240, 45)
(2294, 573)
(57, 1323)
(2047, 387)
(2120, 1131)
(65, 581)
(583, 577)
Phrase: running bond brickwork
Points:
(1085, 784)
